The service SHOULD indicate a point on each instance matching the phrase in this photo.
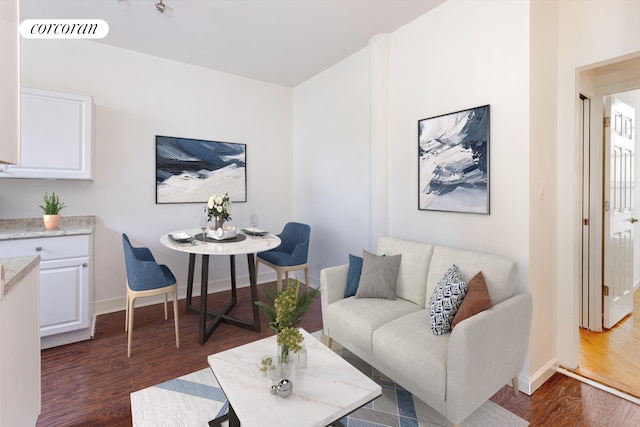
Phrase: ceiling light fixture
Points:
(124, 4)
(163, 8)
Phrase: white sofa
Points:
(454, 373)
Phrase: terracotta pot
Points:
(51, 222)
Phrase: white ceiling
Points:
(280, 41)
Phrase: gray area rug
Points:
(196, 398)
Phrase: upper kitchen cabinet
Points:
(9, 84)
(56, 133)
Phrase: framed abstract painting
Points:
(191, 170)
(453, 162)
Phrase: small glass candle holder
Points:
(266, 364)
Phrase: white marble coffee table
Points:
(327, 390)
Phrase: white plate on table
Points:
(258, 232)
(181, 237)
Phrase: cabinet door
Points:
(9, 83)
(56, 136)
(64, 299)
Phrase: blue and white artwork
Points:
(453, 162)
(191, 170)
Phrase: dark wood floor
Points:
(88, 383)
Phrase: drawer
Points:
(47, 247)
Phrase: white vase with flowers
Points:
(218, 207)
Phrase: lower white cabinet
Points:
(66, 289)
(63, 296)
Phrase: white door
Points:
(618, 217)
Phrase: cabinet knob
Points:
(84, 264)
(38, 248)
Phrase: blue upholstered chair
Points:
(291, 255)
(145, 278)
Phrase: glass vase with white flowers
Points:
(219, 207)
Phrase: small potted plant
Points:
(51, 208)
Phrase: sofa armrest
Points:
(333, 283)
(485, 352)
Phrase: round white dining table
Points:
(242, 244)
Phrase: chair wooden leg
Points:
(126, 312)
(514, 381)
(175, 315)
(165, 307)
(130, 305)
(306, 277)
(131, 298)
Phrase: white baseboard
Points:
(65, 338)
(534, 382)
(118, 304)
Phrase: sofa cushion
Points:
(499, 273)
(445, 301)
(353, 275)
(476, 300)
(414, 267)
(411, 355)
(352, 321)
(379, 276)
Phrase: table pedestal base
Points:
(205, 330)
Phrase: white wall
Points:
(592, 33)
(522, 58)
(542, 189)
(331, 161)
(454, 57)
(137, 97)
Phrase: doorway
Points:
(605, 355)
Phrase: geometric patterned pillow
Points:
(445, 301)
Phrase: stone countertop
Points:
(29, 228)
(15, 269)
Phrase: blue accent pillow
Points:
(353, 276)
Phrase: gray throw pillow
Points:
(379, 276)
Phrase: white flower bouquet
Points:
(219, 206)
